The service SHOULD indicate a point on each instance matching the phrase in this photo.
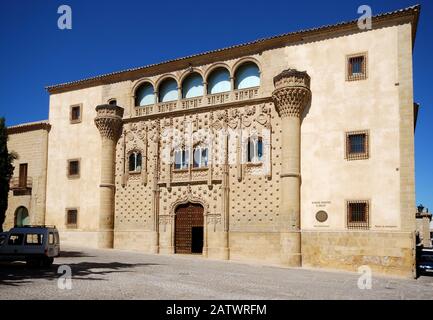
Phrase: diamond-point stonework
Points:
(109, 121)
(292, 92)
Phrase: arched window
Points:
(181, 159)
(168, 90)
(200, 157)
(112, 102)
(218, 81)
(255, 149)
(144, 95)
(135, 162)
(247, 76)
(22, 217)
(192, 86)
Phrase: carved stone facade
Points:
(264, 158)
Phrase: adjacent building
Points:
(296, 150)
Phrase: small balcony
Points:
(21, 186)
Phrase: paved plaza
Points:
(115, 274)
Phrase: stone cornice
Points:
(407, 15)
(27, 127)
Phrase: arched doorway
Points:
(189, 228)
(22, 217)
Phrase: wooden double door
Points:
(189, 228)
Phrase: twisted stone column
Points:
(291, 95)
(109, 122)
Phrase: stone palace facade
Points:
(295, 150)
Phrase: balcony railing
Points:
(191, 103)
(21, 184)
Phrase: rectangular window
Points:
(73, 168)
(34, 239)
(71, 218)
(357, 145)
(75, 113)
(358, 214)
(356, 67)
(22, 180)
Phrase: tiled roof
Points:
(29, 126)
(409, 10)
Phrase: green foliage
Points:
(6, 171)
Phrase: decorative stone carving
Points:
(292, 92)
(109, 121)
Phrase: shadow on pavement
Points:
(15, 274)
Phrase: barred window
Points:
(356, 67)
(358, 214)
(357, 145)
(71, 218)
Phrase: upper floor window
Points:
(135, 162)
(200, 157)
(168, 90)
(255, 149)
(75, 113)
(357, 145)
(357, 67)
(218, 81)
(73, 168)
(181, 159)
(247, 76)
(144, 95)
(192, 86)
(112, 102)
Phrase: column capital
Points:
(109, 121)
(292, 92)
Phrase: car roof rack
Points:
(36, 226)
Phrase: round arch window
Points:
(192, 86)
(144, 95)
(168, 90)
(218, 81)
(247, 76)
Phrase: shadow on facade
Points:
(15, 274)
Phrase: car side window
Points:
(34, 238)
(16, 239)
(51, 238)
(2, 239)
(57, 240)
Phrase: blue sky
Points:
(114, 35)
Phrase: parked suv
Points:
(36, 245)
(425, 262)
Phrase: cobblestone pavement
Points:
(115, 274)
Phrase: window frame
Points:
(68, 172)
(201, 164)
(79, 119)
(255, 158)
(358, 225)
(361, 76)
(67, 223)
(135, 153)
(357, 155)
(185, 158)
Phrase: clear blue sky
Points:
(114, 35)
